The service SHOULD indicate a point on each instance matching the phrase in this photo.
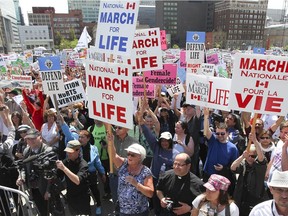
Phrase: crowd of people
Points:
(157, 166)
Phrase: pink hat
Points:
(217, 182)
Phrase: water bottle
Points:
(162, 169)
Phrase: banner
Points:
(116, 26)
(109, 90)
(207, 91)
(260, 84)
(207, 69)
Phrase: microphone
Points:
(30, 159)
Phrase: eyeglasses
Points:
(280, 190)
(178, 164)
(131, 154)
(264, 137)
(220, 133)
(253, 156)
(117, 127)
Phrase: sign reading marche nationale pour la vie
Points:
(116, 26)
(52, 78)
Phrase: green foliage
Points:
(175, 46)
(62, 43)
(72, 35)
(57, 39)
(67, 44)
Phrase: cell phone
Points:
(2, 108)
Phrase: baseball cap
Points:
(186, 105)
(32, 133)
(137, 149)
(72, 146)
(165, 135)
(23, 128)
(217, 182)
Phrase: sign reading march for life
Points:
(116, 26)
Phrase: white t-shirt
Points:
(266, 208)
(234, 211)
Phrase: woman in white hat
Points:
(135, 184)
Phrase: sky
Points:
(62, 7)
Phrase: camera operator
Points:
(178, 188)
(30, 174)
(75, 169)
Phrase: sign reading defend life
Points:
(116, 26)
(109, 90)
(146, 53)
(259, 84)
(52, 78)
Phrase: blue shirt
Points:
(219, 153)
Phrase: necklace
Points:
(134, 171)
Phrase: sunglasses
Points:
(220, 133)
(264, 137)
(253, 156)
(117, 127)
(131, 154)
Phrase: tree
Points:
(72, 35)
(58, 38)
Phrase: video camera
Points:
(43, 163)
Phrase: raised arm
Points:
(117, 160)
(207, 131)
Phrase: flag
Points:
(84, 39)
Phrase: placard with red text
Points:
(109, 92)
(146, 53)
(212, 92)
(259, 84)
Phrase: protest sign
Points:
(3, 68)
(207, 69)
(113, 101)
(163, 40)
(212, 92)
(259, 50)
(74, 92)
(146, 53)
(52, 78)
(195, 53)
(259, 84)
(93, 54)
(212, 58)
(28, 56)
(160, 77)
(138, 88)
(175, 89)
(24, 81)
(183, 59)
(116, 26)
